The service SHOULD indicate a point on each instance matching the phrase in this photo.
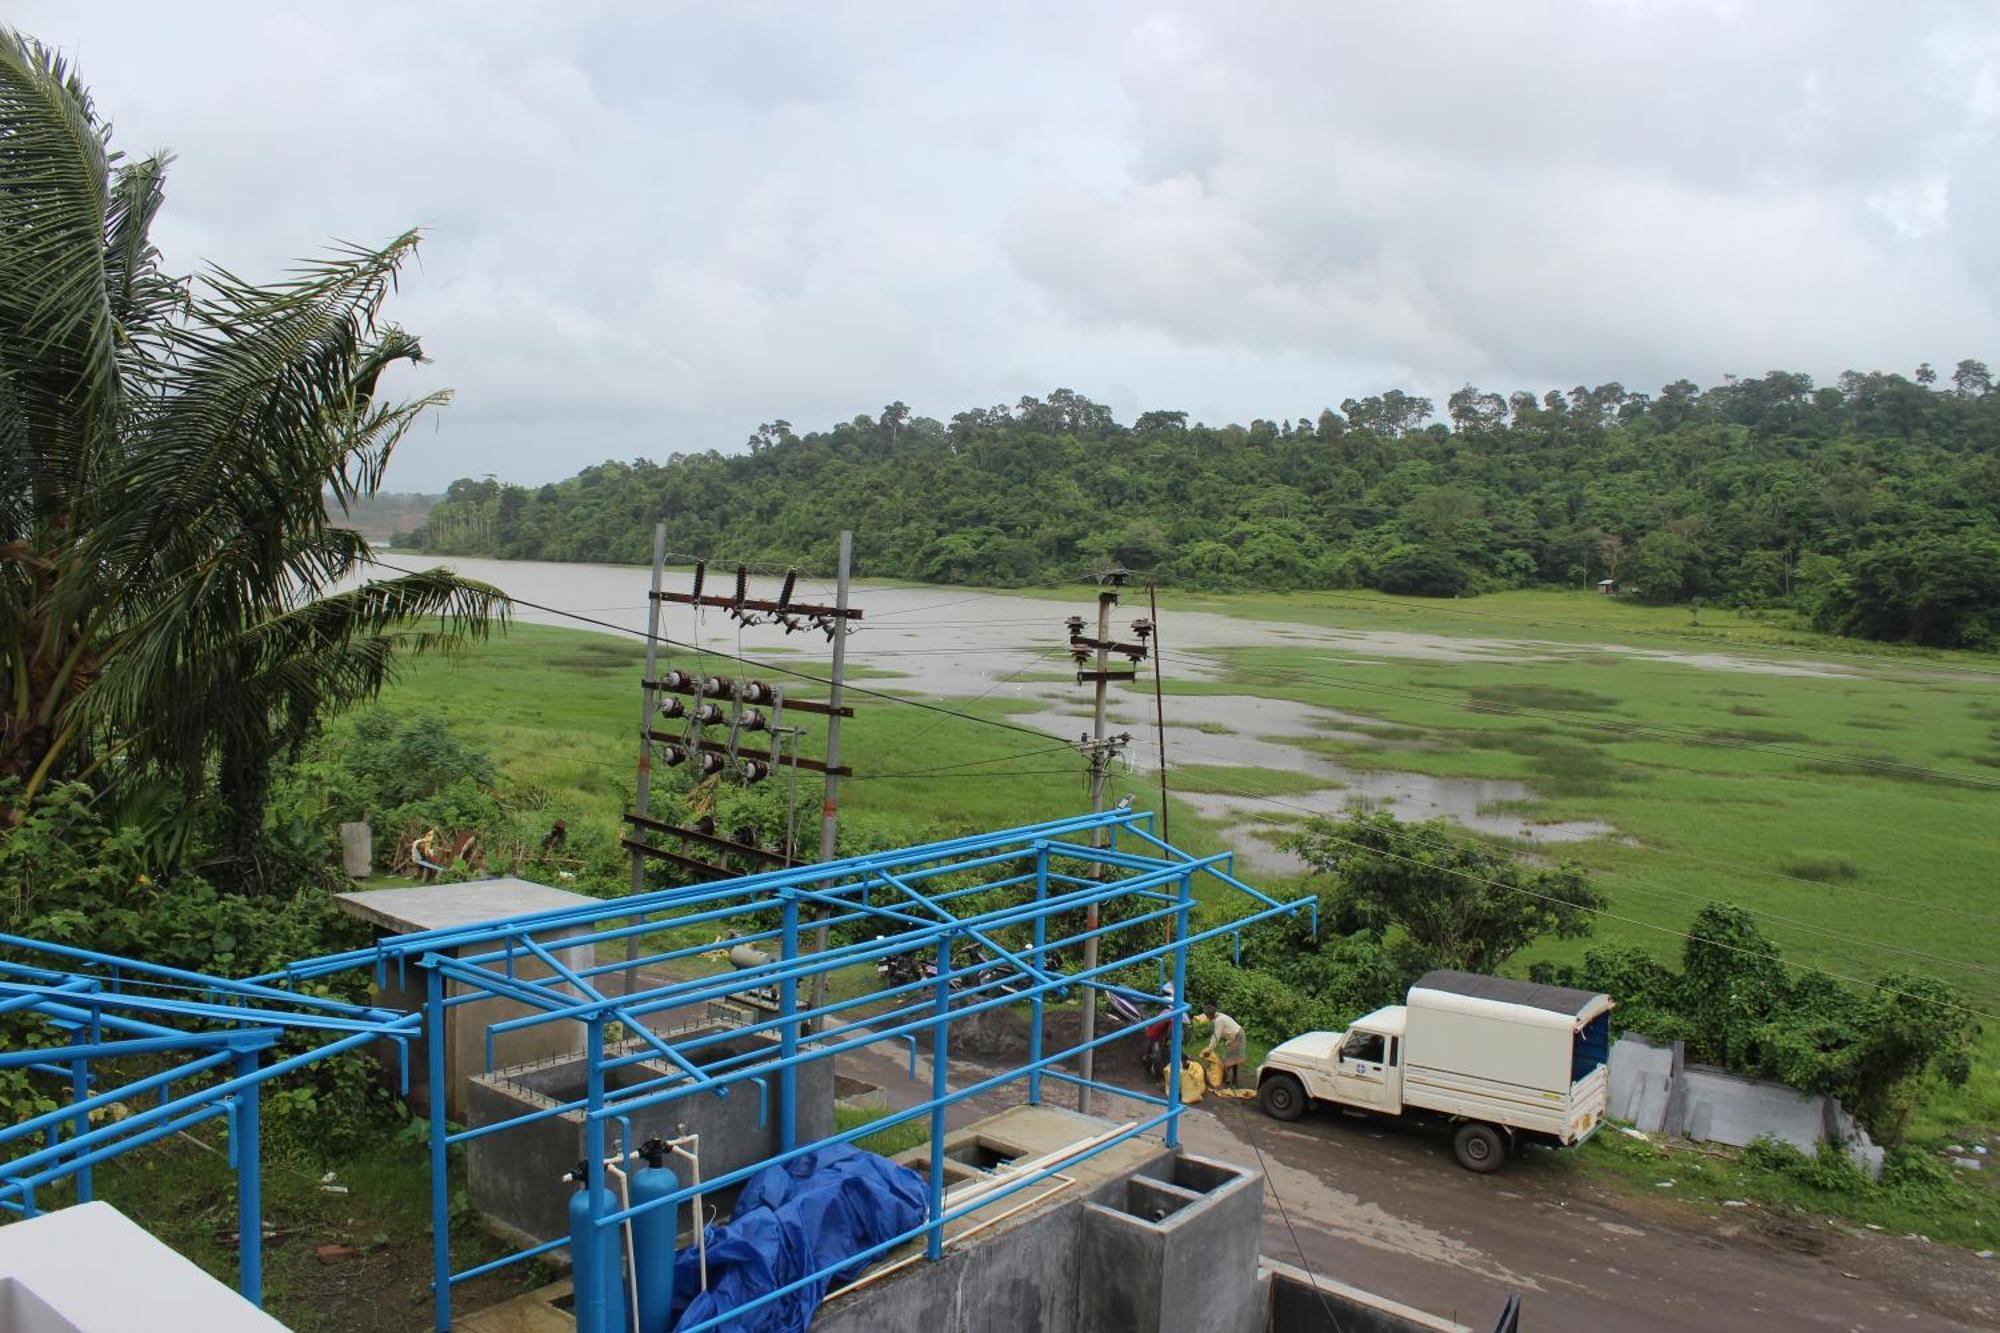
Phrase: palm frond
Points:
(58, 331)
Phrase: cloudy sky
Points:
(652, 227)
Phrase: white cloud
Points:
(649, 230)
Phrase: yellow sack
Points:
(1193, 1083)
(1211, 1067)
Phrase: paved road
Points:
(1384, 1207)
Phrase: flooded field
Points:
(955, 643)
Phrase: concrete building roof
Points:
(465, 903)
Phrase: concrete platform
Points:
(531, 1312)
(465, 903)
(468, 903)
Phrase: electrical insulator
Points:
(717, 685)
(1142, 628)
(673, 754)
(677, 680)
(756, 692)
(755, 770)
(753, 719)
(747, 835)
(709, 764)
(706, 824)
(1075, 624)
(709, 715)
(673, 708)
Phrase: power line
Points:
(1630, 730)
(1898, 899)
(1687, 895)
(1745, 649)
(977, 763)
(671, 642)
(1683, 895)
(932, 725)
(1605, 912)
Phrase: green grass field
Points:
(1855, 813)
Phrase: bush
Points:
(80, 881)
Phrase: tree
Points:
(1732, 982)
(1661, 566)
(170, 581)
(1941, 590)
(1422, 571)
(1458, 904)
(1472, 409)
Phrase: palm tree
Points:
(174, 597)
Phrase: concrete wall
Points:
(1177, 1254)
(1013, 1277)
(1171, 1248)
(514, 1177)
(465, 1029)
(1658, 1093)
(1302, 1302)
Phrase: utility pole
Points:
(695, 701)
(643, 795)
(1101, 750)
(829, 815)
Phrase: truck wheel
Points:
(1480, 1147)
(1282, 1098)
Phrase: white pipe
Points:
(631, 1247)
(700, 1217)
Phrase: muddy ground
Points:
(1384, 1206)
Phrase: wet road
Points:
(1384, 1207)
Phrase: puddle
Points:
(1466, 802)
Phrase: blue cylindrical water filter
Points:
(593, 1254)
(653, 1236)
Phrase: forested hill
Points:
(1872, 505)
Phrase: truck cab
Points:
(1361, 1067)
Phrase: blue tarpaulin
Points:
(791, 1220)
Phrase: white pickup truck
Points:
(1506, 1061)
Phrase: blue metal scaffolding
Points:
(203, 1047)
(1018, 896)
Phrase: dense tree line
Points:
(1870, 504)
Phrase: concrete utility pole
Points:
(643, 795)
(829, 815)
(1101, 747)
(1098, 767)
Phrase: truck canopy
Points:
(1466, 1030)
(1579, 1006)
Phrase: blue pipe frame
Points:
(222, 1031)
(215, 1038)
(1045, 875)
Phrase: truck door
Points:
(1360, 1074)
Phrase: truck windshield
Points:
(1363, 1046)
(1593, 1047)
